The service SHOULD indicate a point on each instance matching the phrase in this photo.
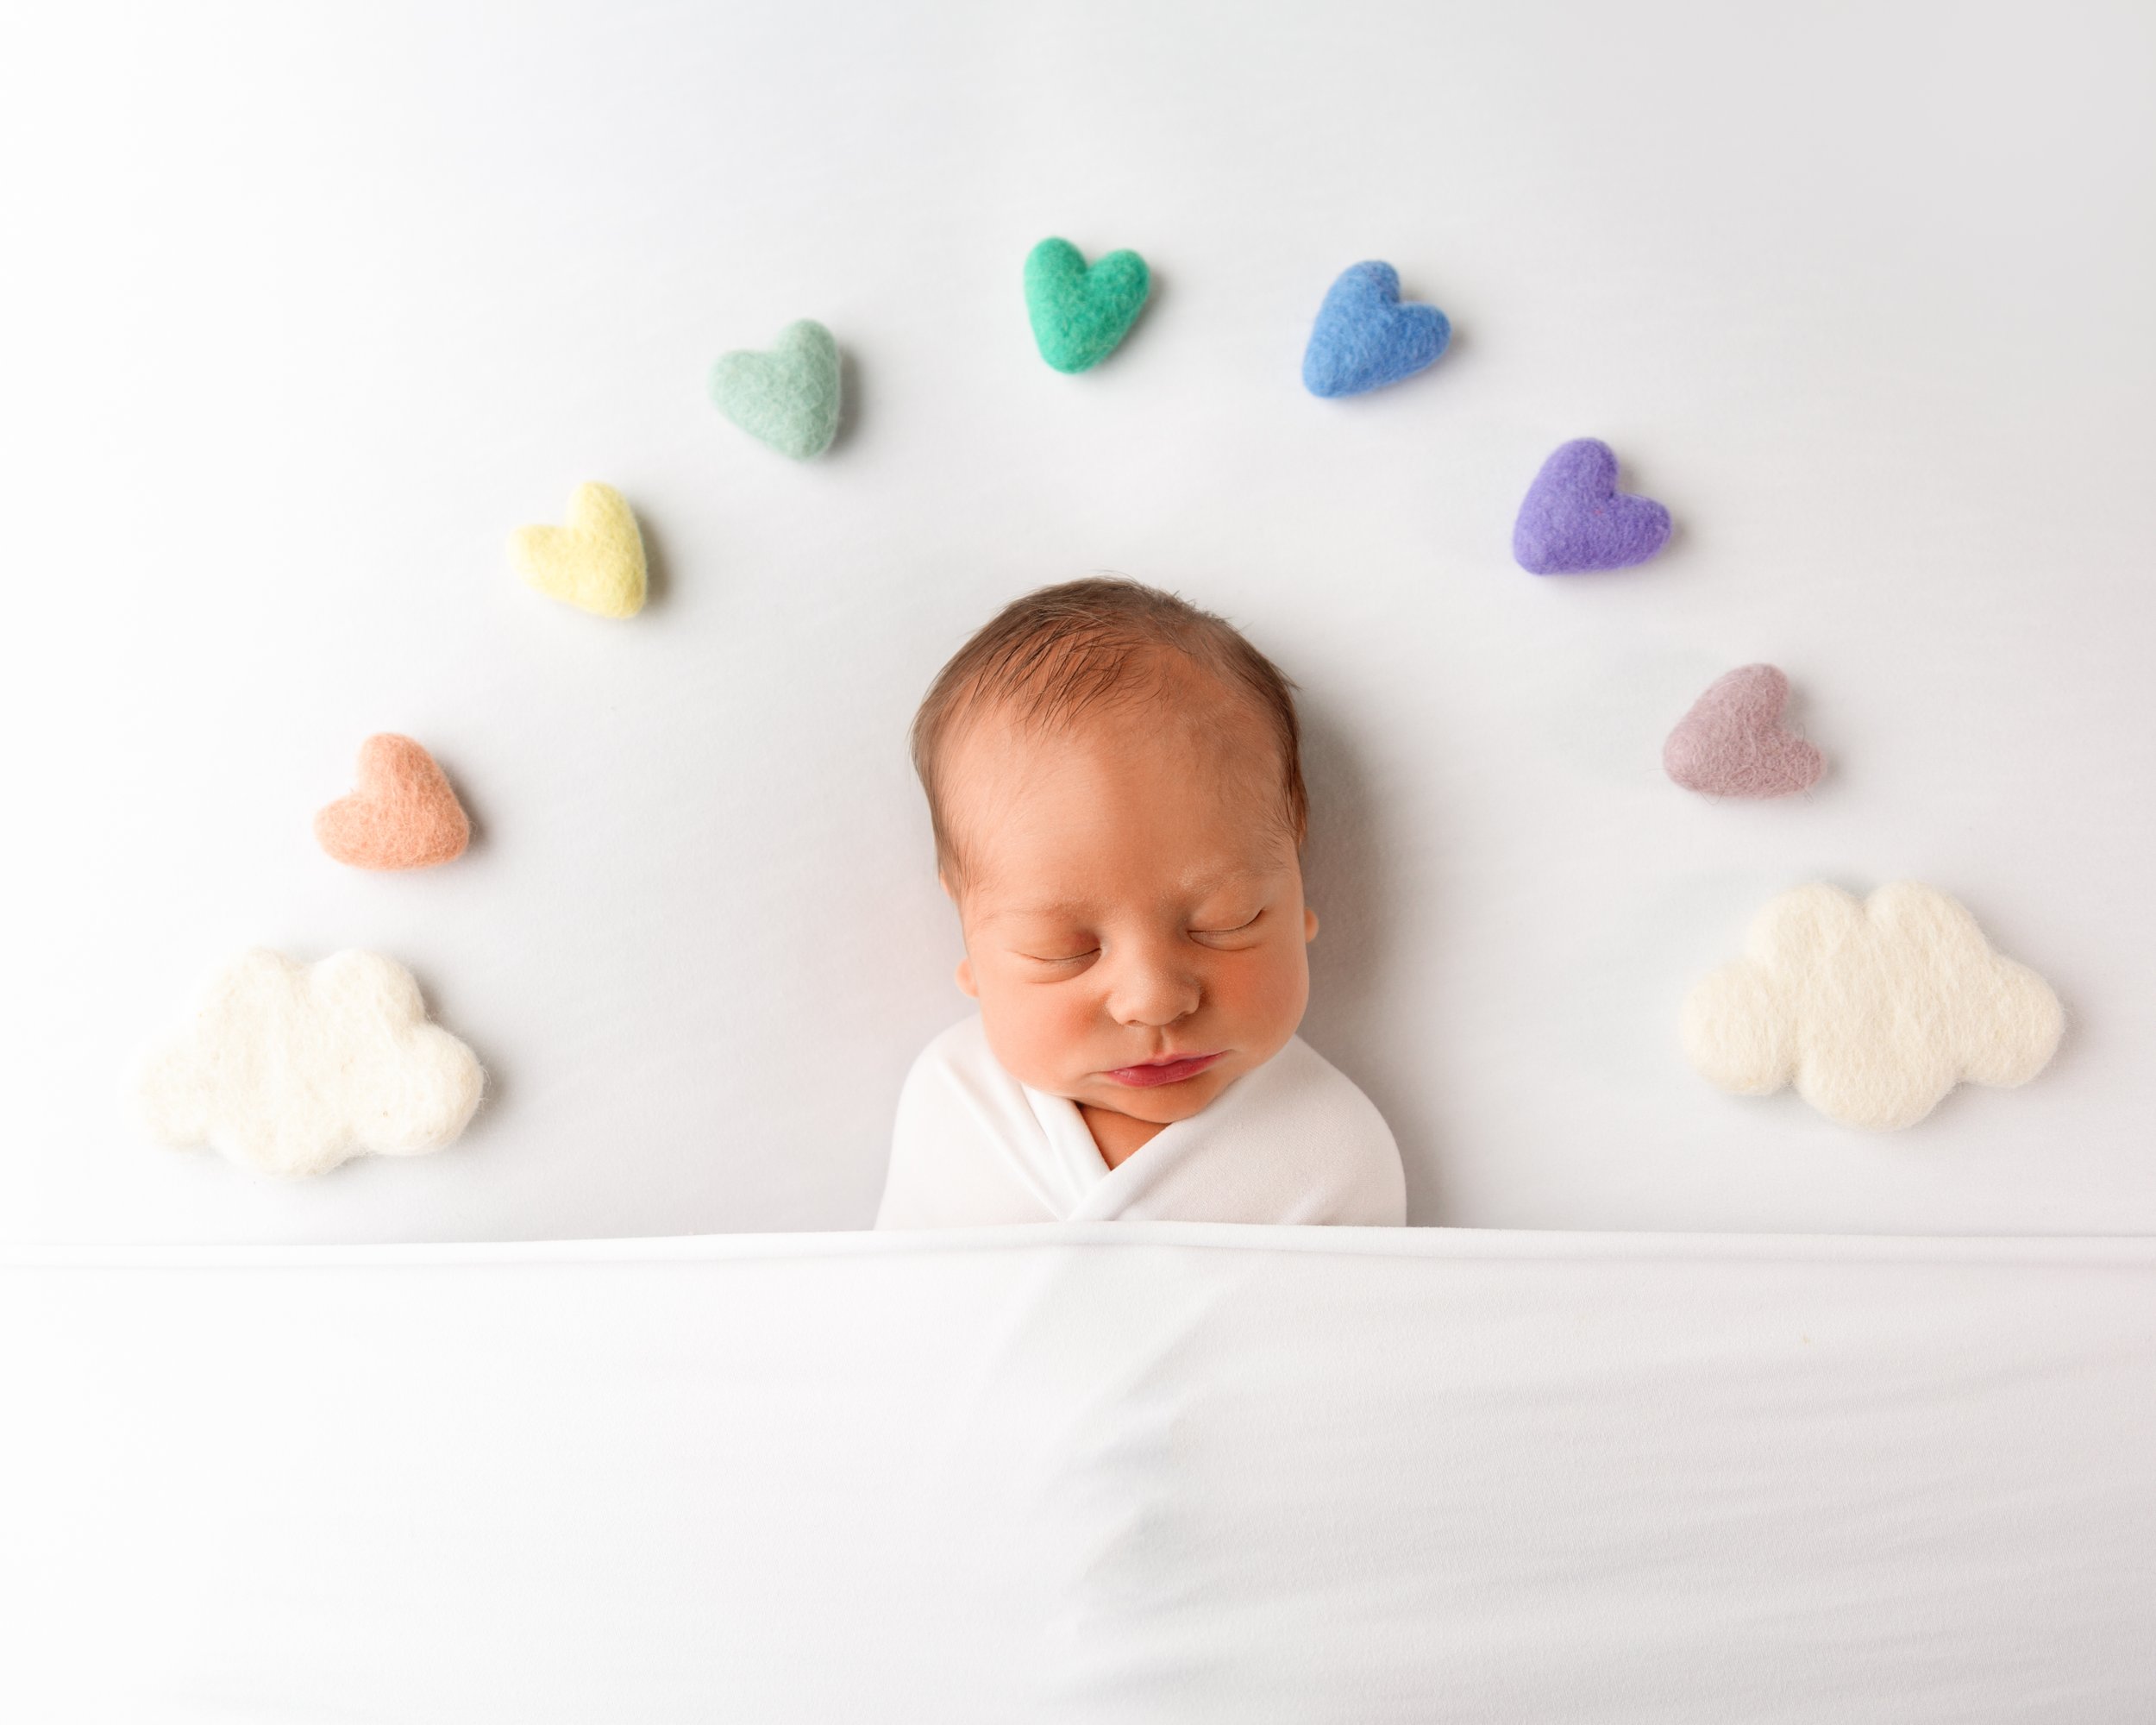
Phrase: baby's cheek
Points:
(1040, 1033)
(1071, 1026)
(1280, 987)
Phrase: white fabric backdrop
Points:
(1108, 1473)
(310, 305)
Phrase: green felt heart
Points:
(1080, 314)
(787, 397)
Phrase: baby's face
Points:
(1131, 900)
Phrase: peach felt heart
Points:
(403, 815)
(596, 562)
(1733, 742)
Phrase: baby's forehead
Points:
(1218, 818)
(1020, 781)
(1184, 703)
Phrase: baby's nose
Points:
(1152, 991)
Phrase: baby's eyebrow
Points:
(1059, 907)
(1077, 906)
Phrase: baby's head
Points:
(1115, 784)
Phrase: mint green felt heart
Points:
(1080, 314)
(788, 398)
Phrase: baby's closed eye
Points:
(1199, 933)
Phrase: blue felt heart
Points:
(1364, 338)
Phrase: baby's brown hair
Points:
(1055, 652)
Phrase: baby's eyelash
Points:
(1073, 957)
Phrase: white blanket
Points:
(1084, 1474)
(1293, 1141)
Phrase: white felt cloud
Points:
(1873, 1008)
(293, 1067)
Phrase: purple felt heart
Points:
(1733, 742)
(1574, 518)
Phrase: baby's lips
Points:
(1166, 1072)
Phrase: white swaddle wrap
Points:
(1290, 1141)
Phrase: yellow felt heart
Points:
(596, 561)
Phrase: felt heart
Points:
(1364, 338)
(1081, 313)
(1733, 742)
(402, 814)
(787, 397)
(596, 562)
(1574, 518)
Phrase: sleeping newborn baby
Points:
(1116, 793)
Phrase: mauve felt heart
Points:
(787, 397)
(1364, 338)
(1733, 742)
(402, 815)
(1080, 312)
(1576, 519)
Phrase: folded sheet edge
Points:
(1435, 1244)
